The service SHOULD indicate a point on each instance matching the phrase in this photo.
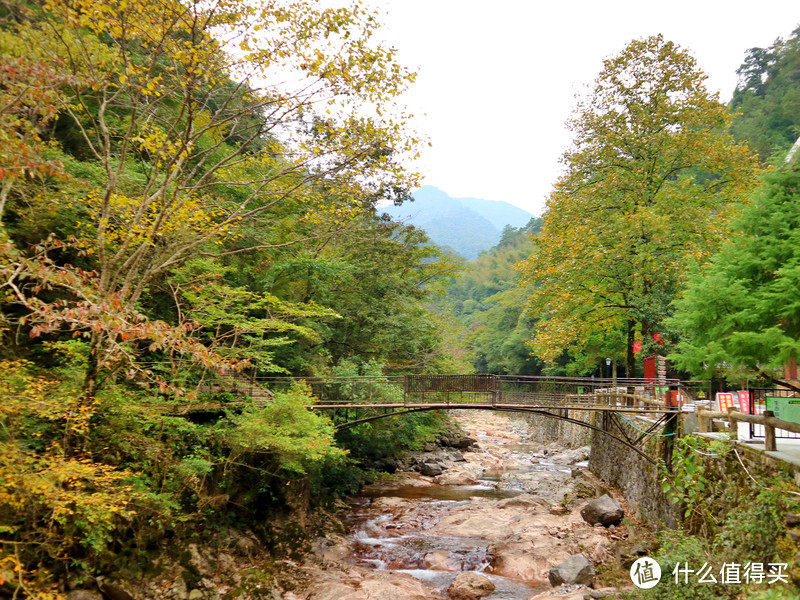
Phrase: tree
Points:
(767, 97)
(652, 176)
(742, 310)
(201, 119)
(377, 277)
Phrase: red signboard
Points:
(724, 401)
(650, 367)
(746, 402)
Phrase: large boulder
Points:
(470, 586)
(460, 477)
(576, 570)
(462, 443)
(603, 510)
(431, 468)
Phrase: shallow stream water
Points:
(389, 527)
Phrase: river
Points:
(508, 510)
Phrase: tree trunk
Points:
(630, 357)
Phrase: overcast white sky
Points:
(497, 78)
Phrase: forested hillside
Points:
(490, 306)
(190, 198)
(179, 216)
(768, 97)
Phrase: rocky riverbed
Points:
(488, 520)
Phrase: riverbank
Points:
(507, 509)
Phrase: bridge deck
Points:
(499, 406)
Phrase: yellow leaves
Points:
(135, 220)
(26, 393)
(163, 147)
(58, 501)
(651, 179)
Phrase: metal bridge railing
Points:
(475, 389)
(589, 392)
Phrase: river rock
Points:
(115, 590)
(440, 561)
(470, 586)
(243, 541)
(84, 595)
(603, 510)
(366, 585)
(575, 570)
(462, 443)
(457, 456)
(526, 501)
(525, 560)
(456, 478)
(570, 457)
(386, 464)
(431, 468)
(562, 594)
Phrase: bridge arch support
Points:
(541, 412)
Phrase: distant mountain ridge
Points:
(466, 225)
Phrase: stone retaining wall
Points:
(548, 430)
(637, 479)
(614, 462)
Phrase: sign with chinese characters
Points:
(746, 402)
(787, 409)
(724, 401)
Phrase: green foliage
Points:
(753, 531)
(293, 437)
(742, 309)
(383, 438)
(729, 518)
(53, 507)
(780, 593)
(377, 278)
(679, 549)
(651, 178)
(391, 437)
(156, 236)
(767, 97)
(489, 304)
(687, 483)
(143, 473)
(169, 155)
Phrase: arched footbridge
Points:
(629, 410)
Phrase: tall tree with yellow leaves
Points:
(652, 177)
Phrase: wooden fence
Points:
(767, 419)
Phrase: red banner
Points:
(724, 401)
(745, 402)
